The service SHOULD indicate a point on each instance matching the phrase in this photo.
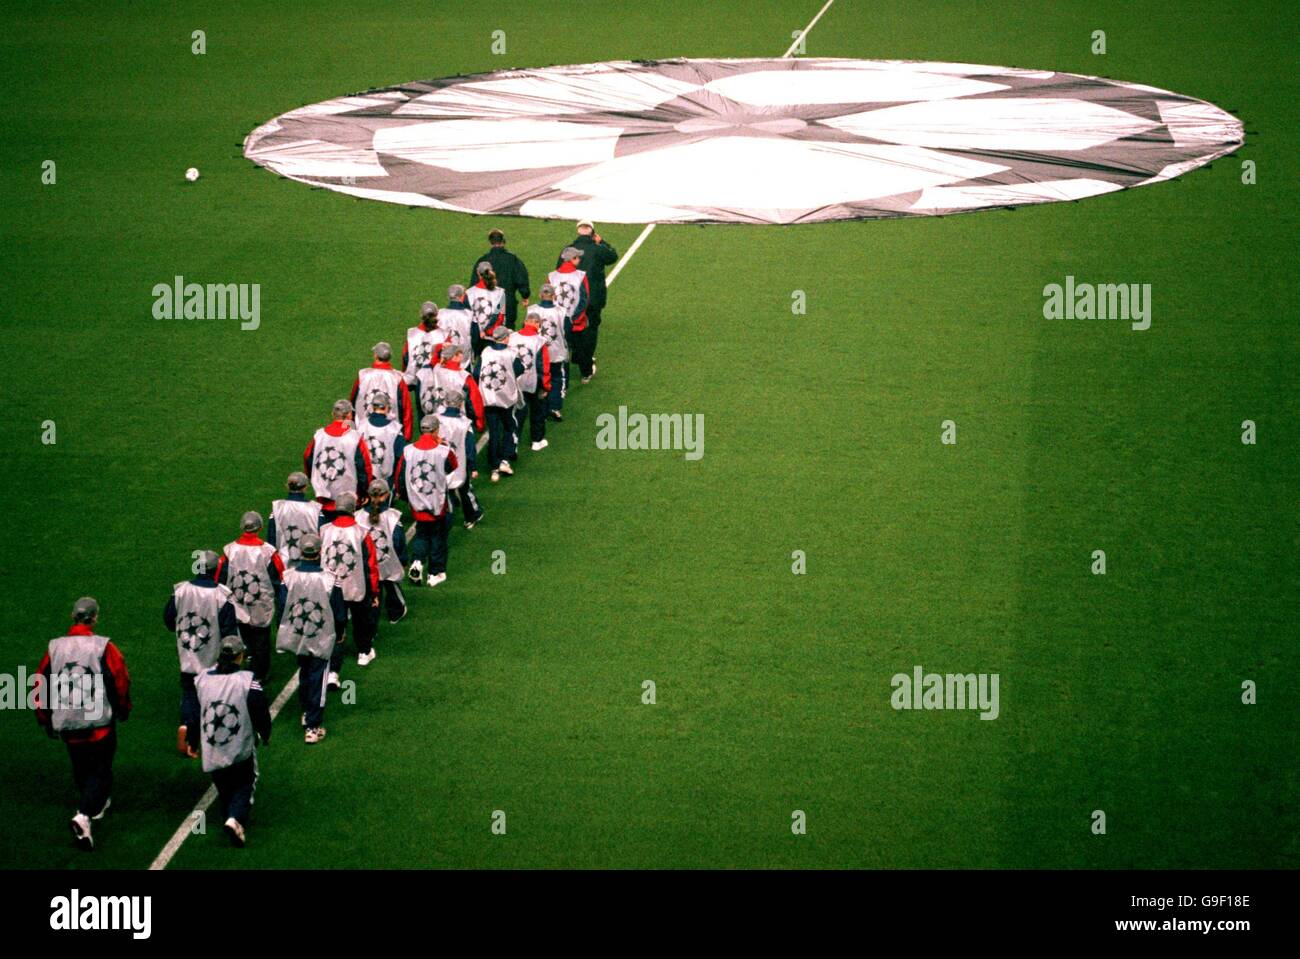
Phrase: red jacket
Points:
(114, 667)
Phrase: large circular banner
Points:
(745, 141)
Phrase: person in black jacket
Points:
(512, 275)
(596, 255)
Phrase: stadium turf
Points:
(522, 692)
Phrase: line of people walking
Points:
(340, 554)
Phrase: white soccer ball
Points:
(192, 174)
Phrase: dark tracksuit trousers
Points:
(582, 347)
(501, 435)
(235, 786)
(559, 386)
(430, 543)
(92, 771)
(593, 324)
(190, 710)
(464, 500)
(311, 685)
(365, 623)
(258, 641)
(534, 409)
(394, 599)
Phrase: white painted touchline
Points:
(804, 32)
(636, 245)
(185, 829)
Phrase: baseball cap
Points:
(207, 562)
(428, 310)
(309, 545)
(587, 223)
(501, 333)
(483, 268)
(547, 291)
(378, 488)
(429, 424)
(570, 253)
(297, 481)
(342, 408)
(232, 647)
(346, 503)
(448, 350)
(496, 236)
(455, 292)
(251, 521)
(85, 609)
(383, 352)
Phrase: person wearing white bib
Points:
(422, 341)
(83, 692)
(458, 433)
(348, 553)
(573, 292)
(457, 321)
(384, 524)
(201, 613)
(384, 440)
(314, 622)
(535, 383)
(292, 518)
(236, 716)
(253, 571)
(487, 301)
(499, 375)
(556, 327)
(380, 381)
(422, 482)
(337, 460)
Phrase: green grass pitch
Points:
(522, 692)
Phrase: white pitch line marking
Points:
(804, 32)
(636, 245)
(183, 831)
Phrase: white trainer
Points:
(107, 802)
(315, 735)
(540, 445)
(80, 825)
(332, 681)
(365, 659)
(416, 572)
(235, 832)
(506, 468)
(496, 476)
(436, 578)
